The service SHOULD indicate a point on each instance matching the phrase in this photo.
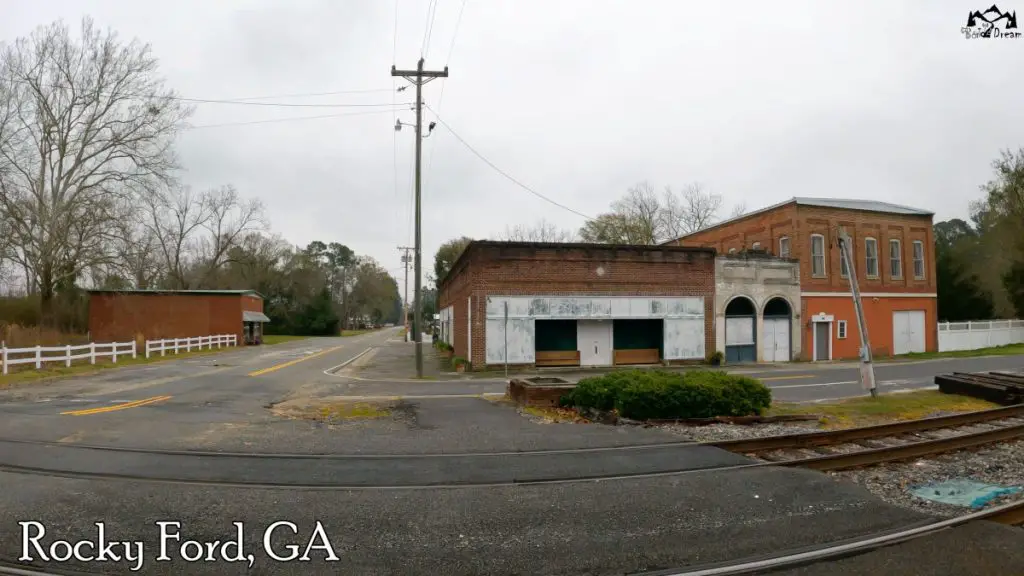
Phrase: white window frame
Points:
(918, 255)
(784, 247)
(755, 246)
(824, 268)
(869, 241)
(897, 262)
(841, 330)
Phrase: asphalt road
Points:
(444, 482)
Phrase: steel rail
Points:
(832, 437)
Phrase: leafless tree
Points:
(83, 121)
(194, 233)
(739, 209)
(691, 210)
(542, 231)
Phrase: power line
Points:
(429, 30)
(237, 101)
(274, 120)
(502, 172)
(444, 81)
(312, 94)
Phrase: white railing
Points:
(979, 334)
(40, 355)
(189, 344)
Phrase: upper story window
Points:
(918, 260)
(844, 266)
(871, 257)
(895, 259)
(784, 247)
(817, 255)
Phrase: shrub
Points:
(648, 394)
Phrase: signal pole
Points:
(418, 78)
(405, 302)
(867, 370)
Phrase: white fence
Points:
(979, 334)
(189, 344)
(40, 355)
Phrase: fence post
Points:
(39, 356)
(67, 355)
(92, 352)
(188, 344)
(113, 351)
(133, 350)
(3, 357)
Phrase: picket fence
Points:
(979, 334)
(39, 355)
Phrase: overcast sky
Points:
(579, 99)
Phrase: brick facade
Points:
(799, 223)
(512, 268)
(120, 316)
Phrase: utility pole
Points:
(405, 301)
(867, 370)
(418, 77)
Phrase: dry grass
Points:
(867, 411)
(15, 336)
(331, 412)
(271, 339)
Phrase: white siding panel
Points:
(518, 307)
(639, 307)
(684, 338)
(739, 331)
(540, 307)
(601, 308)
(496, 306)
(694, 306)
(619, 307)
(520, 341)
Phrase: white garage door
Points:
(775, 339)
(907, 331)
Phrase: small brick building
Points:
(120, 315)
(894, 259)
(551, 304)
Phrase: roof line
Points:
(736, 219)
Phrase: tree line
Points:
(980, 263)
(91, 196)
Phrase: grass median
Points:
(885, 408)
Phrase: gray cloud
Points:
(578, 99)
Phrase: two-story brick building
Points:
(894, 257)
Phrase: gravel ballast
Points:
(1001, 464)
(717, 432)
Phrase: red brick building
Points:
(894, 259)
(120, 315)
(578, 304)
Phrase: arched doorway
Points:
(775, 333)
(740, 335)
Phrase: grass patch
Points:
(1008, 350)
(24, 373)
(334, 412)
(866, 411)
(554, 415)
(271, 339)
(346, 333)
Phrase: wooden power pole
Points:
(418, 78)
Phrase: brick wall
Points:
(799, 222)
(510, 269)
(120, 316)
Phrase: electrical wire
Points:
(444, 81)
(274, 120)
(245, 101)
(429, 30)
(502, 172)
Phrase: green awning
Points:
(248, 316)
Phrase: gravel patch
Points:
(1001, 464)
(717, 432)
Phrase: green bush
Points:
(650, 394)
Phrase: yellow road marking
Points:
(103, 409)
(293, 362)
(796, 377)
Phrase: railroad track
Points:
(855, 447)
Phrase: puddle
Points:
(963, 492)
